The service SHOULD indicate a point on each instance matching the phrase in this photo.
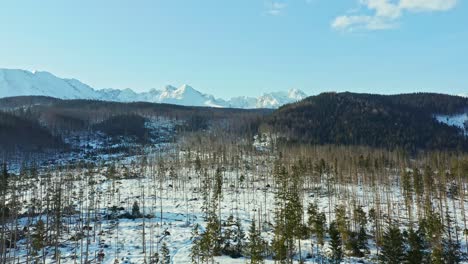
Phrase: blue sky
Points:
(243, 47)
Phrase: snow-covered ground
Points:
(173, 205)
(96, 147)
(459, 120)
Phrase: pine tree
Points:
(407, 190)
(433, 229)
(374, 219)
(450, 244)
(359, 217)
(255, 245)
(218, 188)
(418, 185)
(312, 212)
(197, 164)
(166, 255)
(4, 179)
(451, 250)
(335, 243)
(38, 238)
(238, 237)
(357, 243)
(136, 210)
(342, 222)
(227, 233)
(293, 222)
(437, 255)
(362, 241)
(416, 247)
(358, 239)
(154, 259)
(209, 244)
(320, 228)
(205, 196)
(278, 245)
(393, 247)
(406, 182)
(111, 171)
(317, 223)
(195, 250)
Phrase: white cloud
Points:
(428, 5)
(275, 8)
(383, 8)
(385, 13)
(357, 22)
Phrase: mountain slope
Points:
(20, 82)
(399, 121)
(277, 99)
(21, 134)
(25, 83)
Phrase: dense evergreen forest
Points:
(397, 121)
(124, 125)
(404, 121)
(21, 134)
(50, 122)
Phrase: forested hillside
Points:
(399, 121)
(31, 122)
(57, 114)
(124, 125)
(20, 134)
(156, 183)
(25, 101)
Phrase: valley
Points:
(145, 183)
(234, 132)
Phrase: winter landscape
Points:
(298, 142)
(149, 183)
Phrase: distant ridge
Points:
(408, 121)
(24, 83)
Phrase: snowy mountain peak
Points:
(296, 94)
(168, 88)
(277, 99)
(154, 91)
(21, 82)
(186, 89)
(44, 73)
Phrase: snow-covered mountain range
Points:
(21, 82)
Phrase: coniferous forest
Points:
(336, 178)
